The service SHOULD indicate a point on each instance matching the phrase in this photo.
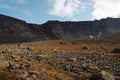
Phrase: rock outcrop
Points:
(103, 75)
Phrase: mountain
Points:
(82, 29)
(13, 30)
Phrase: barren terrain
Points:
(60, 60)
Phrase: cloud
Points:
(66, 8)
(8, 7)
(26, 12)
(106, 8)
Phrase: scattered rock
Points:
(29, 48)
(73, 43)
(34, 72)
(69, 78)
(4, 51)
(21, 75)
(4, 63)
(13, 66)
(2, 57)
(89, 67)
(116, 50)
(85, 48)
(18, 44)
(76, 63)
(54, 49)
(93, 67)
(103, 75)
(64, 43)
(72, 59)
(58, 78)
(37, 57)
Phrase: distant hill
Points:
(13, 30)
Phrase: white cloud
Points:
(50, 2)
(106, 8)
(66, 8)
(7, 7)
(26, 12)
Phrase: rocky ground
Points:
(60, 60)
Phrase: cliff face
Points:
(15, 30)
(83, 29)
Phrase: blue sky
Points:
(40, 11)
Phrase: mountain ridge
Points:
(14, 30)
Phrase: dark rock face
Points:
(15, 30)
(83, 29)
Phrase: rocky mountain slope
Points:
(14, 30)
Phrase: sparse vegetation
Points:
(55, 61)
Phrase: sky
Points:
(41, 11)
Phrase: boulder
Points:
(90, 67)
(103, 75)
(34, 72)
(21, 75)
(85, 48)
(4, 63)
(72, 59)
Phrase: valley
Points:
(60, 60)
